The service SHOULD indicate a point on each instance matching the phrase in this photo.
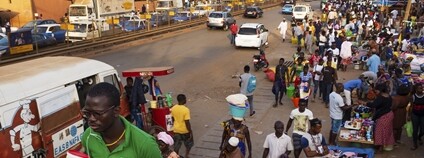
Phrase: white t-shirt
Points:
(346, 51)
(301, 120)
(336, 102)
(244, 78)
(336, 51)
(318, 68)
(322, 40)
(404, 45)
(278, 146)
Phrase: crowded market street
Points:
(205, 65)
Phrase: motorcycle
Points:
(259, 61)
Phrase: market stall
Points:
(158, 116)
(359, 129)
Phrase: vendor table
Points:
(345, 131)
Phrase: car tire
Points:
(225, 27)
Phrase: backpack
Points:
(251, 84)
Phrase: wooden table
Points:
(344, 130)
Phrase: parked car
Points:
(126, 17)
(251, 35)
(288, 1)
(12, 29)
(184, 16)
(30, 25)
(220, 19)
(42, 40)
(253, 12)
(53, 30)
(4, 44)
(134, 25)
(302, 10)
(287, 9)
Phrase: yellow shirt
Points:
(180, 113)
(312, 29)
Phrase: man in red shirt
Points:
(233, 29)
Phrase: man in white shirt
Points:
(332, 15)
(346, 53)
(405, 44)
(277, 144)
(283, 29)
(243, 83)
(336, 106)
(301, 117)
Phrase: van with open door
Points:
(41, 101)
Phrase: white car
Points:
(252, 35)
(302, 10)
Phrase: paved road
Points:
(204, 63)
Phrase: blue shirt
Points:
(352, 84)
(373, 63)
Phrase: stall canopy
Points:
(7, 13)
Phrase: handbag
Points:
(409, 129)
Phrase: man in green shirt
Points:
(109, 134)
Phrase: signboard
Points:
(171, 13)
(148, 16)
(67, 138)
(115, 6)
(20, 41)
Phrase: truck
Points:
(41, 102)
(98, 12)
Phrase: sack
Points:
(408, 127)
(251, 84)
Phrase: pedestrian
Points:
(329, 78)
(143, 9)
(182, 126)
(322, 40)
(346, 53)
(369, 75)
(399, 104)
(231, 149)
(137, 100)
(128, 89)
(154, 88)
(299, 33)
(374, 61)
(281, 74)
(383, 116)
(165, 142)
(283, 29)
(313, 143)
(350, 86)
(416, 115)
(308, 42)
(109, 134)
(235, 128)
(337, 106)
(234, 30)
(317, 70)
(301, 117)
(277, 144)
(244, 82)
(335, 54)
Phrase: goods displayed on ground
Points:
(359, 129)
(337, 152)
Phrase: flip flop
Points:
(253, 113)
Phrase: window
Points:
(112, 80)
(300, 9)
(229, 15)
(216, 15)
(247, 31)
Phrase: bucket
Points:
(357, 66)
(290, 91)
(295, 102)
(237, 111)
(153, 104)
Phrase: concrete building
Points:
(21, 11)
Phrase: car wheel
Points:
(225, 27)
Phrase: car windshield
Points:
(41, 30)
(80, 28)
(288, 6)
(29, 24)
(247, 31)
(250, 9)
(3, 41)
(183, 14)
(215, 15)
(300, 9)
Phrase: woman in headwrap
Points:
(165, 142)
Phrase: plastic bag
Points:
(408, 127)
